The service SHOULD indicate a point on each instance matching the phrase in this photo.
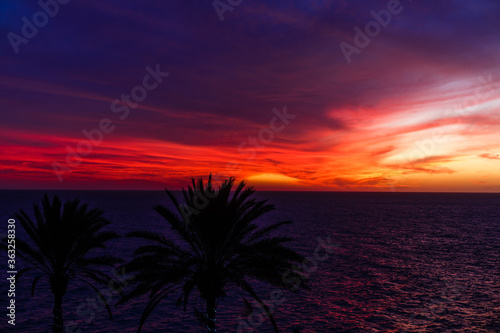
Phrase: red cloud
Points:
(490, 156)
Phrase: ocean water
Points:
(405, 262)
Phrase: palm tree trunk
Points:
(57, 319)
(211, 310)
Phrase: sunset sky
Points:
(267, 94)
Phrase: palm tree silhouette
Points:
(223, 248)
(59, 247)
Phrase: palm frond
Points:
(62, 237)
(222, 248)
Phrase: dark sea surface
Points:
(406, 262)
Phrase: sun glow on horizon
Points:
(272, 178)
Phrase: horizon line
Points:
(256, 190)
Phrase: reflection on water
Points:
(406, 263)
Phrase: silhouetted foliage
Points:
(223, 248)
(62, 238)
